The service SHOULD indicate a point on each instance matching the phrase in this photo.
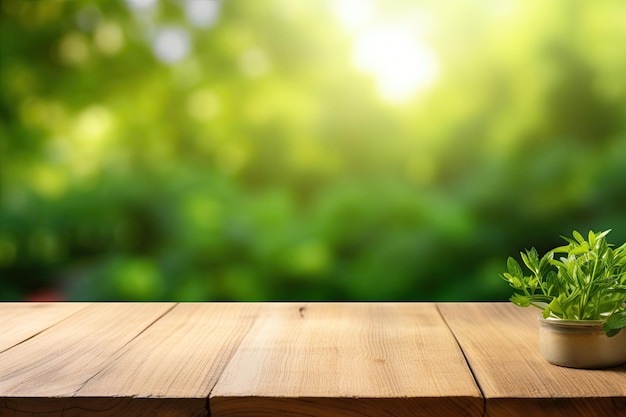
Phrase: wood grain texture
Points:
(168, 369)
(180, 356)
(347, 359)
(20, 321)
(60, 360)
(501, 343)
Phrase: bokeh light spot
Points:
(254, 63)
(109, 38)
(74, 49)
(93, 124)
(202, 13)
(48, 180)
(202, 213)
(141, 4)
(309, 257)
(138, 279)
(203, 105)
(171, 45)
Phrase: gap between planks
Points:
(500, 341)
(227, 391)
(33, 307)
(121, 348)
(469, 365)
(237, 346)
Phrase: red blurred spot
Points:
(47, 294)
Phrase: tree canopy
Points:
(278, 149)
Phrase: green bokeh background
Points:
(263, 166)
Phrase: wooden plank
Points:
(501, 343)
(60, 360)
(347, 359)
(180, 356)
(20, 321)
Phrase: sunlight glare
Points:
(353, 13)
(401, 63)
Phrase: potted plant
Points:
(582, 295)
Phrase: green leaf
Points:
(610, 332)
(579, 238)
(579, 250)
(603, 234)
(534, 256)
(566, 278)
(561, 249)
(554, 307)
(513, 281)
(553, 282)
(527, 261)
(520, 300)
(514, 268)
(610, 257)
(616, 320)
(592, 238)
(614, 323)
(588, 281)
(544, 264)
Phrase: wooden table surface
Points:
(288, 359)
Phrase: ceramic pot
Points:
(580, 344)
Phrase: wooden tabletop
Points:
(288, 359)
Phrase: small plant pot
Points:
(580, 344)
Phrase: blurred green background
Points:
(302, 150)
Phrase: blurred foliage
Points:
(173, 150)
